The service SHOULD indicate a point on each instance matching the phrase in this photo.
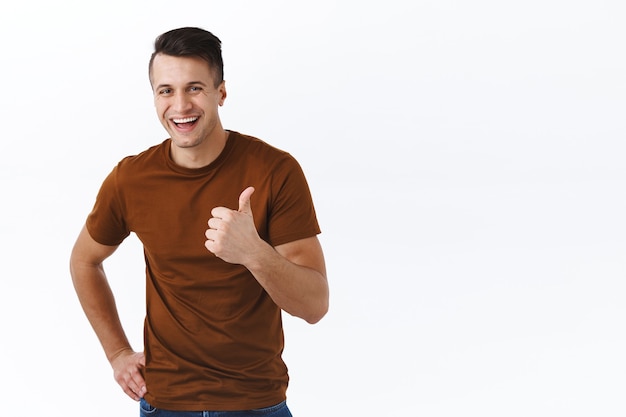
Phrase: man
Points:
(230, 238)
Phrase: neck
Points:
(202, 154)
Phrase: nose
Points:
(181, 102)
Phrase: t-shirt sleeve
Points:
(292, 215)
(106, 223)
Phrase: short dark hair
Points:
(191, 42)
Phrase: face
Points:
(186, 99)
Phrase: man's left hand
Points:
(231, 235)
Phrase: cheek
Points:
(160, 107)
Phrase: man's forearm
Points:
(98, 303)
(299, 290)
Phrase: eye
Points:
(165, 91)
(195, 89)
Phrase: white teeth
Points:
(185, 120)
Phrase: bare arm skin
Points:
(98, 302)
(293, 274)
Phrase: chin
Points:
(186, 142)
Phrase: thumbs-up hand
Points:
(244, 201)
(231, 235)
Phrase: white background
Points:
(467, 163)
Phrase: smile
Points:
(185, 120)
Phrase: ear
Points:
(222, 90)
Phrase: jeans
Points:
(278, 410)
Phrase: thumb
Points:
(244, 201)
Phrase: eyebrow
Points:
(158, 87)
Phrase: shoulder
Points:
(146, 158)
(261, 152)
(133, 170)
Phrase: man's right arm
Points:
(98, 303)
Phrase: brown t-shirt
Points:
(213, 337)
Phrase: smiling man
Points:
(230, 240)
